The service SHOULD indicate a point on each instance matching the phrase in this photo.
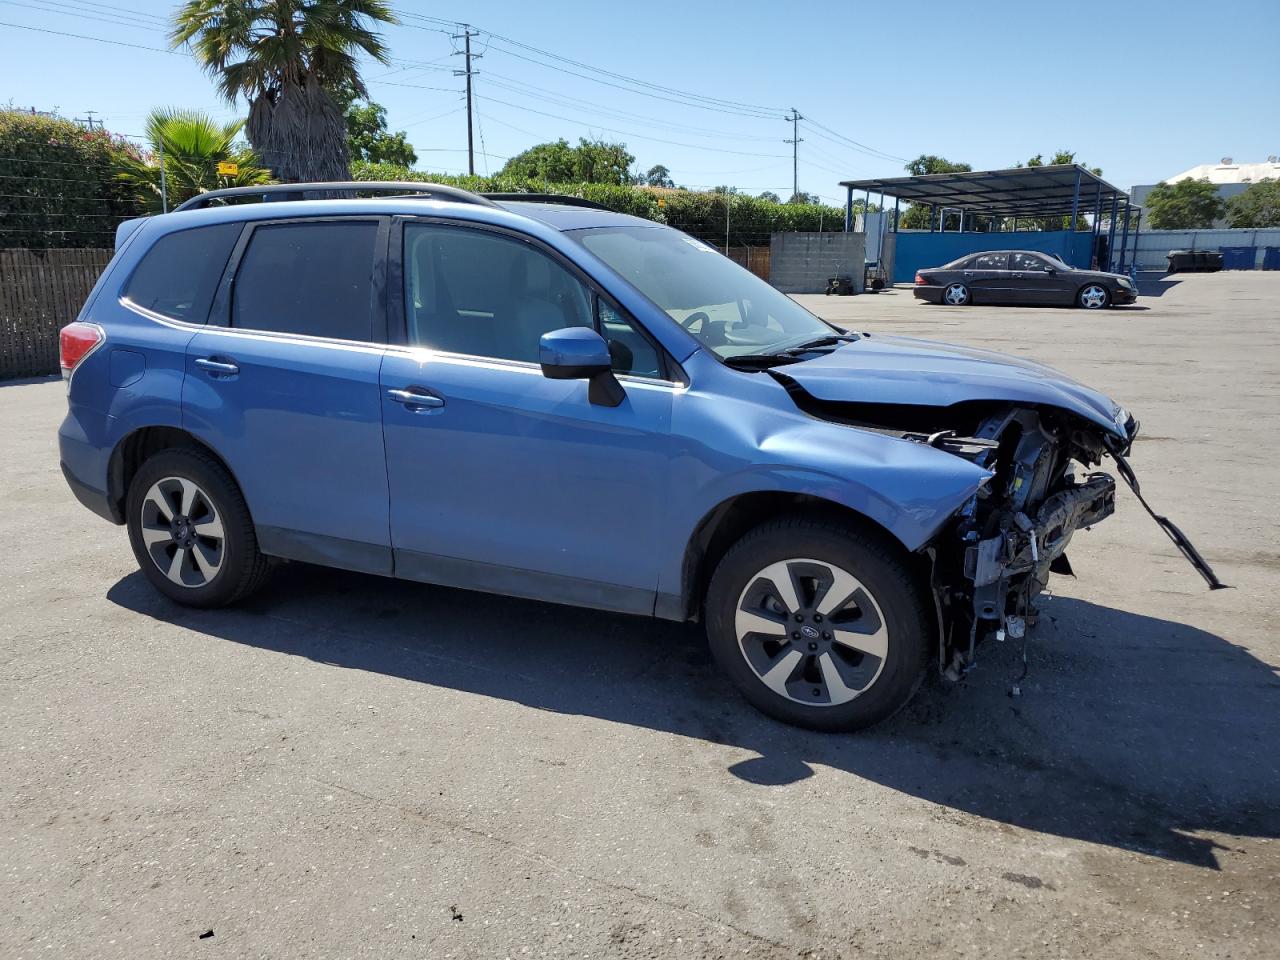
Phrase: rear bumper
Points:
(84, 452)
(927, 294)
(96, 500)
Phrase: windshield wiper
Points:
(831, 340)
(759, 361)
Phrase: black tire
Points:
(1093, 305)
(968, 295)
(879, 565)
(242, 567)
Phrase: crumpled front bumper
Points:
(1032, 544)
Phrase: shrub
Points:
(751, 219)
(60, 183)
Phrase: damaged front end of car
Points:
(994, 556)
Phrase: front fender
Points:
(737, 433)
(907, 488)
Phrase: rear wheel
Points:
(819, 624)
(956, 295)
(1093, 296)
(191, 531)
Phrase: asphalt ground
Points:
(353, 767)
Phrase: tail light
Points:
(75, 342)
(921, 281)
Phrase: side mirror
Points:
(579, 353)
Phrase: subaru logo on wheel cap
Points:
(808, 631)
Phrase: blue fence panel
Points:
(918, 250)
(1238, 258)
(1271, 258)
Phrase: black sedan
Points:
(1024, 277)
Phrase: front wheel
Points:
(819, 624)
(1093, 296)
(191, 531)
(956, 295)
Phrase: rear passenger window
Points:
(178, 276)
(309, 278)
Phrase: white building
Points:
(1230, 177)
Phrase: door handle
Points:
(217, 367)
(415, 398)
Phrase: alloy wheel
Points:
(1093, 296)
(811, 632)
(182, 532)
(957, 294)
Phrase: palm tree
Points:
(192, 144)
(286, 58)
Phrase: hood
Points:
(901, 370)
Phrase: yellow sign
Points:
(662, 203)
(228, 169)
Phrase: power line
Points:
(81, 36)
(625, 133)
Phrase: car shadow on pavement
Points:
(1130, 731)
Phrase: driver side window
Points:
(1029, 262)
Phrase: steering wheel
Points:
(698, 316)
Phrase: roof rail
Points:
(563, 198)
(270, 192)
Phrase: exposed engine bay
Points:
(995, 557)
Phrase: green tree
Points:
(1185, 205)
(658, 176)
(591, 161)
(928, 163)
(192, 145)
(1061, 157)
(802, 197)
(918, 216)
(287, 58)
(1257, 206)
(770, 196)
(369, 140)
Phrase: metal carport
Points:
(1061, 190)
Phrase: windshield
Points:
(727, 308)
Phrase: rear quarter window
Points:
(311, 278)
(178, 276)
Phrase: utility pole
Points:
(465, 37)
(795, 142)
(87, 120)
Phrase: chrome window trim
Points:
(427, 354)
(250, 334)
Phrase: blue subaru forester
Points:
(542, 398)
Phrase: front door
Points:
(284, 385)
(501, 479)
(1036, 280)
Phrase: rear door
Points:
(988, 277)
(284, 385)
(1035, 280)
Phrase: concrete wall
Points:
(802, 262)
(1154, 245)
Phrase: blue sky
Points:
(1142, 89)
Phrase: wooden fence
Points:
(41, 291)
(755, 259)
